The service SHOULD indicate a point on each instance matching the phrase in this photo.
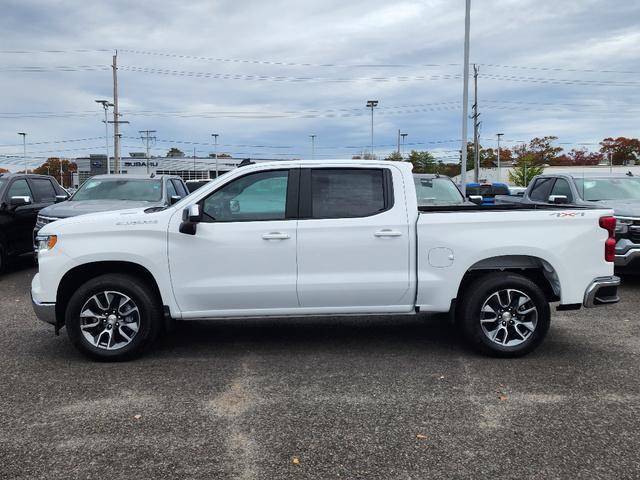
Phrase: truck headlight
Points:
(46, 242)
(622, 225)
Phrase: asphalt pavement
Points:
(389, 397)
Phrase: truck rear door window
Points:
(541, 189)
(347, 192)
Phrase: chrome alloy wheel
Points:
(109, 320)
(508, 317)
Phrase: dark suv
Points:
(21, 198)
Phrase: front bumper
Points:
(602, 291)
(45, 311)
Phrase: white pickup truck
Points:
(320, 238)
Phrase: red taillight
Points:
(609, 224)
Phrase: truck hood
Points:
(82, 207)
(621, 208)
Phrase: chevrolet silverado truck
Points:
(619, 192)
(318, 238)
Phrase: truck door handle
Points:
(276, 236)
(388, 233)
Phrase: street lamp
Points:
(106, 104)
(372, 104)
(403, 135)
(215, 151)
(24, 149)
(313, 145)
(499, 171)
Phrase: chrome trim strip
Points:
(626, 258)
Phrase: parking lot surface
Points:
(382, 397)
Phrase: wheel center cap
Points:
(112, 319)
(506, 316)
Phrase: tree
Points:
(175, 152)
(394, 156)
(52, 167)
(423, 162)
(539, 151)
(526, 168)
(3, 170)
(621, 149)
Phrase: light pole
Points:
(403, 135)
(372, 104)
(215, 150)
(465, 99)
(106, 104)
(499, 135)
(24, 149)
(313, 145)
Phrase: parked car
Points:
(115, 192)
(487, 191)
(193, 185)
(21, 198)
(434, 189)
(516, 191)
(320, 238)
(618, 192)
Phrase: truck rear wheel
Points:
(113, 317)
(504, 315)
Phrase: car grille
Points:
(633, 229)
(42, 220)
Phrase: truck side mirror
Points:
(174, 199)
(558, 199)
(19, 201)
(477, 199)
(191, 216)
(61, 198)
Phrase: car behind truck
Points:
(320, 238)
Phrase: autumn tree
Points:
(525, 169)
(52, 167)
(621, 149)
(3, 170)
(539, 151)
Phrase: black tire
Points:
(484, 290)
(149, 318)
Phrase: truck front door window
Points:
(561, 187)
(254, 197)
(541, 189)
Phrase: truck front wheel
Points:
(113, 317)
(504, 315)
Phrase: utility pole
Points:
(146, 136)
(106, 104)
(116, 137)
(499, 135)
(61, 180)
(24, 149)
(398, 141)
(465, 99)
(194, 163)
(372, 104)
(476, 126)
(403, 135)
(215, 151)
(313, 145)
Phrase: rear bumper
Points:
(624, 259)
(45, 311)
(602, 291)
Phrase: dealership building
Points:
(189, 168)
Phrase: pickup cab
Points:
(620, 192)
(317, 238)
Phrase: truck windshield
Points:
(594, 189)
(120, 189)
(436, 191)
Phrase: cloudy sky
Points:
(266, 75)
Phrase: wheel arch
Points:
(82, 273)
(536, 269)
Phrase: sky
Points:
(265, 76)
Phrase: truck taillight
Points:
(609, 224)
